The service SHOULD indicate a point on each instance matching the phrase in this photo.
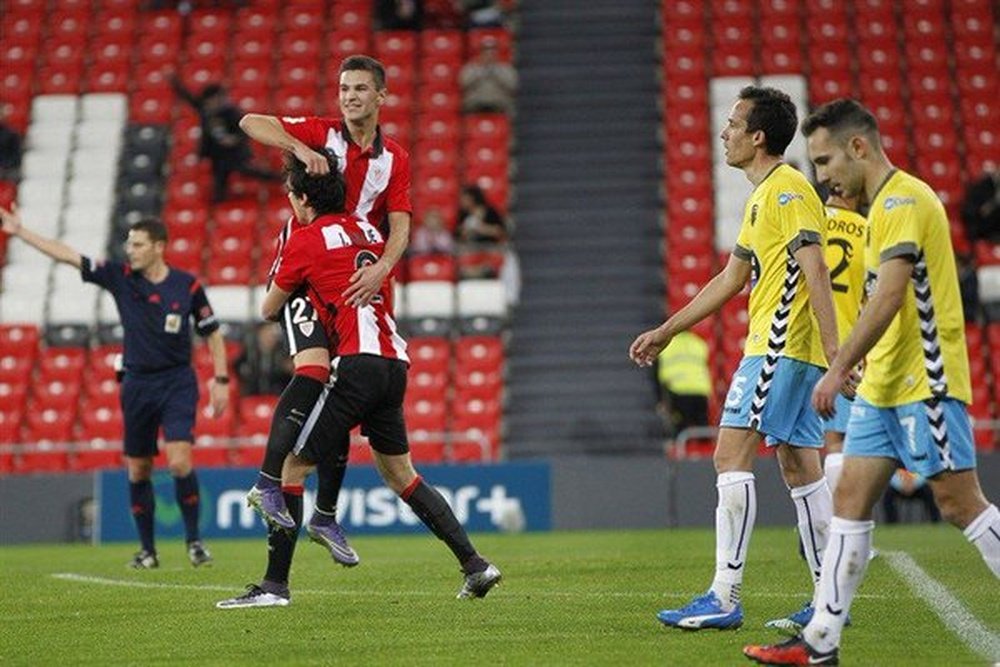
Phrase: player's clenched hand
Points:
(647, 346)
(220, 397)
(851, 383)
(10, 220)
(315, 162)
(365, 284)
(825, 393)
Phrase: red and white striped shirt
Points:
(322, 256)
(377, 178)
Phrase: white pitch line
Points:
(948, 608)
(126, 583)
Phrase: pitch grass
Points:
(582, 598)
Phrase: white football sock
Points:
(814, 507)
(832, 467)
(984, 532)
(734, 519)
(845, 562)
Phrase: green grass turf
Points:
(568, 598)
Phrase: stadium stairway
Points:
(586, 199)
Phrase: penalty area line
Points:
(946, 606)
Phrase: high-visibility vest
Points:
(682, 366)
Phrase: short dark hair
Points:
(156, 230)
(773, 113)
(842, 115)
(365, 64)
(325, 193)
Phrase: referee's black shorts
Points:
(368, 390)
(302, 328)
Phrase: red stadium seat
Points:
(432, 267)
(20, 340)
(107, 78)
(443, 44)
(159, 48)
(210, 22)
(428, 385)
(14, 393)
(151, 107)
(60, 79)
(51, 425)
(478, 384)
(209, 429)
(255, 415)
(484, 353)
(303, 18)
(395, 46)
(424, 415)
(42, 458)
(15, 369)
(429, 353)
(55, 394)
(343, 43)
(11, 421)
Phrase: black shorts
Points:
(167, 399)
(368, 390)
(301, 326)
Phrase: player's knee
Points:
(958, 509)
(318, 372)
(180, 467)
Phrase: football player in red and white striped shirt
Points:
(376, 174)
(370, 383)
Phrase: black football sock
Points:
(434, 511)
(143, 507)
(281, 545)
(290, 414)
(330, 477)
(186, 492)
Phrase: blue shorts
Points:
(168, 399)
(781, 409)
(838, 423)
(905, 433)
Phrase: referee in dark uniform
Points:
(160, 390)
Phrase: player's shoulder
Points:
(787, 185)
(182, 277)
(902, 193)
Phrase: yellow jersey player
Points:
(911, 404)
(793, 332)
(846, 234)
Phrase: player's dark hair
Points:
(325, 193)
(156, 230)
(365, 64)
(842, 116)
(773, 113)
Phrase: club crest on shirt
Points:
(307, 328)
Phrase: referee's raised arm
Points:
(54, 248)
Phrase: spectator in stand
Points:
(481, 234)
(222, 140)
(488, 84)
(981, 208)
(264, 367)
(399, 14)
(479, 222)
(11, 149)
(432, 237)
(907, 487)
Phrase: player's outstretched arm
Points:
(54, 248)
(269, 131)
(720, 289)
(817, 275)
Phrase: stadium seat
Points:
(210, 429)
(51, 425)
(11, 422)
(479, 353)
(427, 416)
(431, 267)
(431, 354)
(256, 413)
(428, 385)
